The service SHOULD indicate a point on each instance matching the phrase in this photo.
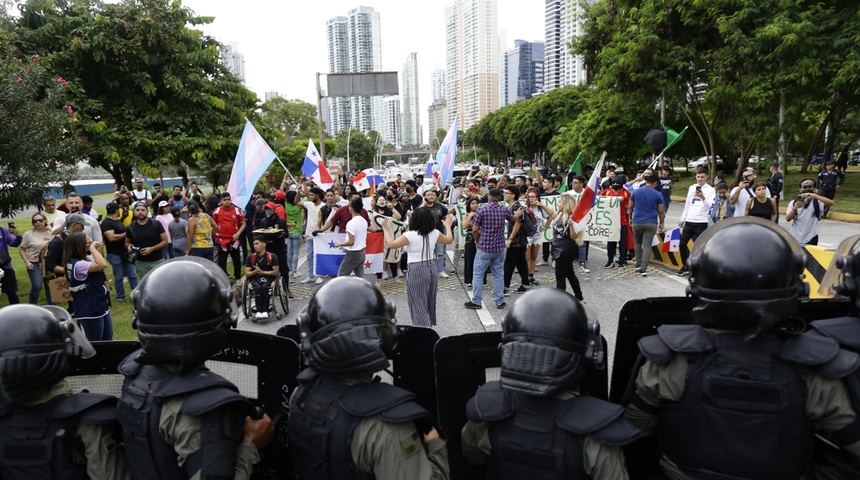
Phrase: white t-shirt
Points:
(415, 247)
(804, 226)
(744, 198)
(696, 210)
(92, 228)
(141, 195)
(358, 228)
(313, 215)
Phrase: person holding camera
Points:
(743, 193)
(805, 213)
(144, 240)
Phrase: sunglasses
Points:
(38, 220)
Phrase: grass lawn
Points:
(847, 197)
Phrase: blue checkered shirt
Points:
(491, 218)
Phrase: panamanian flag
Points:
(672, 241)
(327, 257)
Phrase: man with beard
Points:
(148, 237)
(74, 203)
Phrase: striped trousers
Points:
(422, 279)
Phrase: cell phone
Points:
(698, 188)
(746, 178)
(11, 224)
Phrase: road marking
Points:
(483, 315)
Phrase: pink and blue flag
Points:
(447, 154)
(314, 167)
(589, 194)
(252, 160)
(327, 257)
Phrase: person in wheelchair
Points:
(533, 423)
(261, 269)
(47, 430)
(742, 390)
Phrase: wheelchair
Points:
(279, 295)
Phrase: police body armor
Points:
(742, 414)
(40, 441)
(146, 388)
(324, 414)
(845, 331)
(536, 438)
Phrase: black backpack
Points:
(529, 222)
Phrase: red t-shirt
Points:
(228, 220)
(342, 216)
(608, 192)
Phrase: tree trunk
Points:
(811, 150)
(783, 147)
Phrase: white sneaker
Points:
(264, 314)
(582, 268)
(258, 315)
(307, 280)
(386, 276)
(295, 274)
(443, 275)
(539, 263)
(318, 281)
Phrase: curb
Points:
(831, 215)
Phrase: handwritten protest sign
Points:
(396, 228)
(604, 220)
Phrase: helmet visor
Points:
(835, 275)
(72, 333)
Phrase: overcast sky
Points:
(284, 42)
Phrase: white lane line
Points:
(483, 315)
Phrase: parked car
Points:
(703, 162)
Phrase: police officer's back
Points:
(342, 424)
(740, 393)
(532, 424)
(46, 431)
(179, 419)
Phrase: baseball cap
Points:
(75, 218)
(261, 202)
(830, 162)
(271, 205)
(279, 195)
(775, 164)
(139, 204)
(162, 203)
(111, 207)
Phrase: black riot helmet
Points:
(842, 275)
(345, 327)
(182, 311)
(36, 346)
(546, 337)
(748, 275)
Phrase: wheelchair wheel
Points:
(284, 295)
(247, 299)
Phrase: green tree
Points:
(148, 88)
(294, 120)
(37, 148)
(361, 149)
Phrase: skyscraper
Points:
(411, 125)
(437, 117)
(389, 125)
(471, 60)
(523, 75)
(354, 46)
(562, 23)
(233, 60)
(437, 84)
(271, 95)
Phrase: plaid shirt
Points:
(491, 218)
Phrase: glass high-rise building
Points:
(562, 23)
(233, 60)
(411, 125)
(522, 74)
(471, 60)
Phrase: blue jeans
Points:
(495, 262)
(310, 245)
(206, 252)
(167, 253)
(96, 329)
(122, 269)
(293, 245)
(36, 284)
(439, 250)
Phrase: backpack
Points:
(268, 258)
(529, 222)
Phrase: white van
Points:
(390, 164)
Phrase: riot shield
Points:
(264, 367)
(411, 361)
(640, 318)
(464, 363)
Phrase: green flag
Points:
(672, 137)
(575, 169)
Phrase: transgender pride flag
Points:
(447, 154)
(252, 161)
(327, 257)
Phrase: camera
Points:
(746, 178)
(474, 168)
(135, 252)
(799, 199)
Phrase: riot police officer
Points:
(740, 392)
(178, 418)
(46, 431)
(342, 424)
(841, 281)
(532, 424)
